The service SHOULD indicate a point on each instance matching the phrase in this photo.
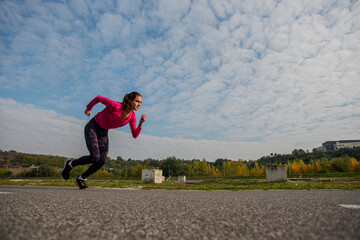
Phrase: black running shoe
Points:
(81, 183)
(67, 169)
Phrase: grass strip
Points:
(344, 183)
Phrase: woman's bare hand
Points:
(87, 113)
(143, 118)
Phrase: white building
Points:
(347, 144)
(333, 145)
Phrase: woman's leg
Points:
(103, 147)
(92, 144)
(97, 142)
(91, 140)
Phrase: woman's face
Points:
(136, 103)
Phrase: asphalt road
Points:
(69, 213)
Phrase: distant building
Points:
(333, 145)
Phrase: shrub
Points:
(42, 171)
(4, 173)
(341, 164)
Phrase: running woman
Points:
(114, 115)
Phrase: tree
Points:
(297, 167)
(298, 152)
(220, 162)
(205, 168)
(256, 170)
(354, 165)
(227, 168)
(242, 169)
(193, 168)
(341, 164)
(314, 166)
(102, 173)
(172, 166)
(42, 171)
(5, 173)
(215, 172)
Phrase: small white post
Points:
(182, 178)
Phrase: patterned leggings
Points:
(97, 142)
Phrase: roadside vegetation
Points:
(214, 183)
(339, 169)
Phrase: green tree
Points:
(341, 164)
(4, 173)
(172, 166)
(42, 171)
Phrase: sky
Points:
(220, 79)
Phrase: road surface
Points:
(68, 213)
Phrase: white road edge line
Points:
(350, 206)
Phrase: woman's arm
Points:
(136, 130)
(106, 101)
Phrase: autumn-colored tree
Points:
(102, 173)
(296, 167)
(227, 168)
(215, 172)
(314, 166)
(194, 168)
(205, 168)
(354, 165)
(325, 164)
(256, 170)
(340, 164)
(242, 169)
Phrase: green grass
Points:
(220, 183)
(261, 184)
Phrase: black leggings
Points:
(97, 142)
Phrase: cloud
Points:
(30, 129)
(224, 72)
(27, 128)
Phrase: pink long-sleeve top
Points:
(110, 117)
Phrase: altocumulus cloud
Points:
(268, 76)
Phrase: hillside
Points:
(13, 159)
(307, 157)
